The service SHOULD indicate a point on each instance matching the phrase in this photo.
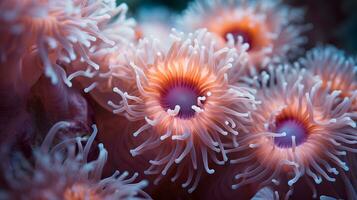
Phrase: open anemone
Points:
(53, 30)
(271, 29)
(62, 171)
(300, 129)
(337, 70)
(184, 104)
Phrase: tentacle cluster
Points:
(56, 31)
(269, 30)
(292, 94)
(99, 82)
(336, 69)
(62, 171)
(185, 103)
(113, 73)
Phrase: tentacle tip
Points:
(144, 183)
(190, 190)
(184, 185)
(133, 153)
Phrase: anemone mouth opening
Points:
(183, 93)
(294, 128)
(246, 35)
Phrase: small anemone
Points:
(62, 171)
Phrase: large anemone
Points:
(184, 104)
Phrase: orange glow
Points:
(80, 192)
(138, 33)
(175, 71)
(335, 69)
(339, 83)
(292, 112)
(162, 76)
(253, 28)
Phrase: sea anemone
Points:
(268, 29)
(62, 171)
(184, 104)
(299, 129)
(336, 69)
(55, 30)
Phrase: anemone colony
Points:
(225, 95)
